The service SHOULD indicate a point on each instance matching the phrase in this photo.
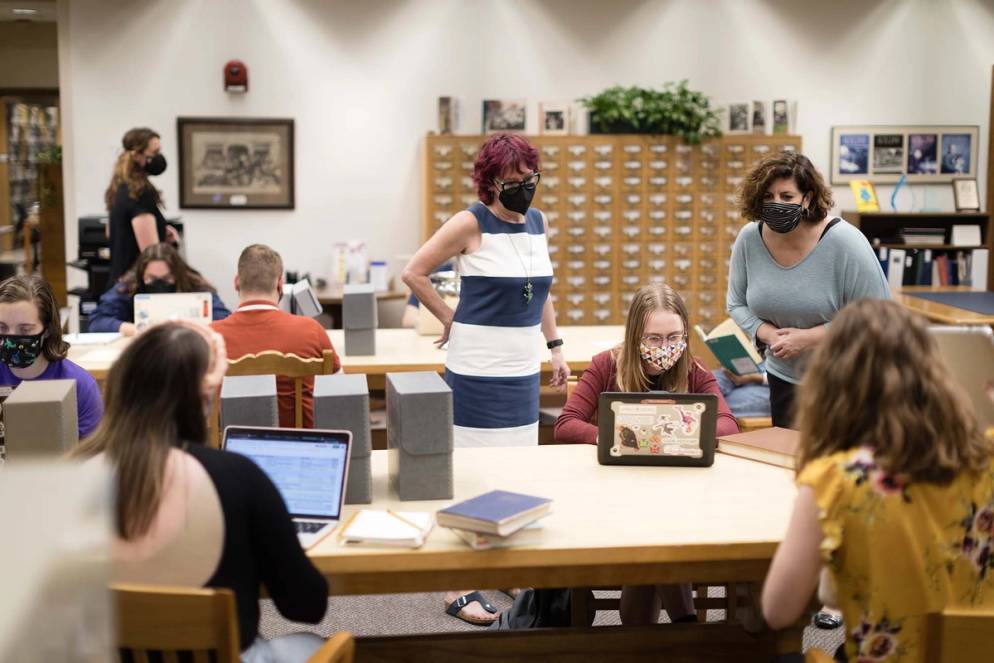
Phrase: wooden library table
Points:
(941, 313)
(609, 526)
(396, 350)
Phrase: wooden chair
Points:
(177, 619)
(199, 621)
(959, 635)
(340, 648)
(275, 363)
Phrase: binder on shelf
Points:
(895, 272)
(978, 269)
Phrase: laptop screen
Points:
(308, 467)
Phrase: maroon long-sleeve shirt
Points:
(578, 422)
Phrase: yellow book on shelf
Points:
(866, 197)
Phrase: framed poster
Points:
(235, 163)
(923, 154)
(503, 115)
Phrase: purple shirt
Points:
(89, 405)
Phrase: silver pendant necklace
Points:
(527, 292)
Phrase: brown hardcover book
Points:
(775, 446)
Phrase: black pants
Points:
(781, 401)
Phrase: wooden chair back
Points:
(275, 363)
(177, 619)
(959, 635)
(571, 383)
(340, 648)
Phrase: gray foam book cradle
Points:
(40, 419)
(359, 319)
(341, 402)
(419, 435)
(249, 400)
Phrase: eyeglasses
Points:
(657, 341)
(512, 186)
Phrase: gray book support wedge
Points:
(341, 402)
(40, 419)
(249, 400)
(359, 319)
(419, 435)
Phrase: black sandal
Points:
(826, 621)
(453, 609)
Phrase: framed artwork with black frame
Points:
(919, 154)
(235, 163)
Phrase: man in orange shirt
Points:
(258, 325)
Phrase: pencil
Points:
(403, 519)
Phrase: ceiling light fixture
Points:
(24, 12)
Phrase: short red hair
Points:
(500, 154)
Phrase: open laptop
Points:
(969, 354)
(153, 309)
(308, 467)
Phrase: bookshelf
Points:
(880, 227)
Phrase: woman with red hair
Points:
(504, 321)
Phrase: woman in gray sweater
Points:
(794, 269)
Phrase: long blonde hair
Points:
(631, 375)
(877, 380)
(126, 171)
(153, 404)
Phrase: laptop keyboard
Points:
(308, 526)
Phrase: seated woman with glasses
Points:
(653, 357)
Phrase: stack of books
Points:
(497, 519)
(923, 236)
(774, 446)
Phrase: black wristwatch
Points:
(554, 343)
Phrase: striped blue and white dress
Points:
(495, 347)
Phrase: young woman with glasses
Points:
(653, 357)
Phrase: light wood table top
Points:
(941, 313)
(609, 525)
(333, 296)
(396, 350)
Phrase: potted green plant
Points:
(673, 110)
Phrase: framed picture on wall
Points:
(554, 118)
(235, 163)
(921, 154)
(503, 115)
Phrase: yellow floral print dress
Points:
(898, 550)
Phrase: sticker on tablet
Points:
(657, 429)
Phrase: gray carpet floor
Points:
(406, 614)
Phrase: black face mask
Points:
(158, 287)
(155, 164)
(20, 351)
(782, 217)
(517, 199)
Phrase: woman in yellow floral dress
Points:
(895, 489)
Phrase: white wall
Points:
(361, 80)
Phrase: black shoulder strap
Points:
(831, 224)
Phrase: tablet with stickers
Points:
(656, 428)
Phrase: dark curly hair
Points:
(778, 166)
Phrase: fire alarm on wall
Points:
(235, 76)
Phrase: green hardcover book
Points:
(730, 346)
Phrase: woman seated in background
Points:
(189, 515)
(895, 502)
(31, 346)
(159, 269)
(653, 357)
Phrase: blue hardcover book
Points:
(498, 512)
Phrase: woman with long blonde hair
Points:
(190, 515)
(653, 357)
(136, 222)
(895, 503)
